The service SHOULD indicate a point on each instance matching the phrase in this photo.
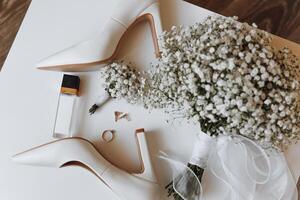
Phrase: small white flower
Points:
(288, 99)
(126, 82)
(196, 118)
(248, 38)
(267, 102)
(254, 25)
(248, 58)
(209, 107)
(241, 54)
(254, 72)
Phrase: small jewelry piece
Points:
(121, 115)
(108, 135)
(102, 99)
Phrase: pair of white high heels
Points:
(90, 55)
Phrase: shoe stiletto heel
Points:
(147, 171)
(92, 54)
(70, 151)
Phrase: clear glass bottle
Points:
(66, 104)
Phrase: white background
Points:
(28, 100)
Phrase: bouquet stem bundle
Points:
(197, 163)
(198, 171)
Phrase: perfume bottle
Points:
(66, 103)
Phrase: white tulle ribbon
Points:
(245, 170)
(202, 149)
(241, 165)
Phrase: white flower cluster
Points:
(124, 82)
(121, 81)
(224, 75)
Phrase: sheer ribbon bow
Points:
(238, 169)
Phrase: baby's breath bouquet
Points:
(230, 79)
(223, 75)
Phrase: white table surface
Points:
(28, 101)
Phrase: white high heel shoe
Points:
(91, 54)
(77, 150)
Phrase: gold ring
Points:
(108, 135)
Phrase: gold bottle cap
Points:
(70, 84)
